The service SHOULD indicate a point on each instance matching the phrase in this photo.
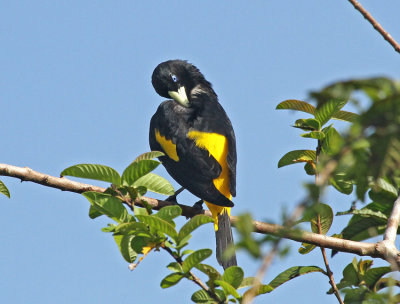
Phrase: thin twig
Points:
(323, 251)
(376, 250)
(376, 25)
(328, 269)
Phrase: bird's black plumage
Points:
(195, 133)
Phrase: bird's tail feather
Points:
(224, 240)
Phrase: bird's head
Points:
(179, 80)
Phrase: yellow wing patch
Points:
(168, 146)
(217, 146)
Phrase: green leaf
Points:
(350, 273)
(132, 227)
(193, 224)
(314, 134)
(4, 190)
(93, 212)
(341, 183)
(140, 211)
(93, 171)
(293, 272)
(332, 142)
(159, 225)
(373, 275)
(309, 168)
(125, 247)
(108, 205)
(210, 271)
(228, 288)
(368, 223)
(195, 258)
(297, 105)
(246, 282)
(171, 280)
(175, 267)
(309, 124)
(138, 169)
(201, 296)
(234, 276)
(345, 116)
(149, 155)
(328, 110)
(168, 213)
(297, 156)
(155, 183)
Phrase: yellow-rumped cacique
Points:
(197, 138)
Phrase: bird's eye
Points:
(174, 78)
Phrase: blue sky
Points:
(75, 88)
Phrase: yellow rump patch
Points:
(168, 146)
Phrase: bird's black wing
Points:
(195, 169)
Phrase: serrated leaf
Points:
(297, 105)
(108, 205)
(293, 272)
(155, 183)
(195, 258)
(159, 225)
(228, 288)
(4, 190)
(328, 110)
(233, 275)
(314, 134)
(93, 171)
(124, 245)
(138, 169)
(193, 224)
(373, 275)
(149, 155)
(171, 280)
(297, 156)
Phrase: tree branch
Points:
(376, 25)
(376, 250)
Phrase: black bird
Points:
(199, 143)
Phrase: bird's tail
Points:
(224, 239)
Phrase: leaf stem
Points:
(328, 269)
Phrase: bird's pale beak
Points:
(180, 96)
